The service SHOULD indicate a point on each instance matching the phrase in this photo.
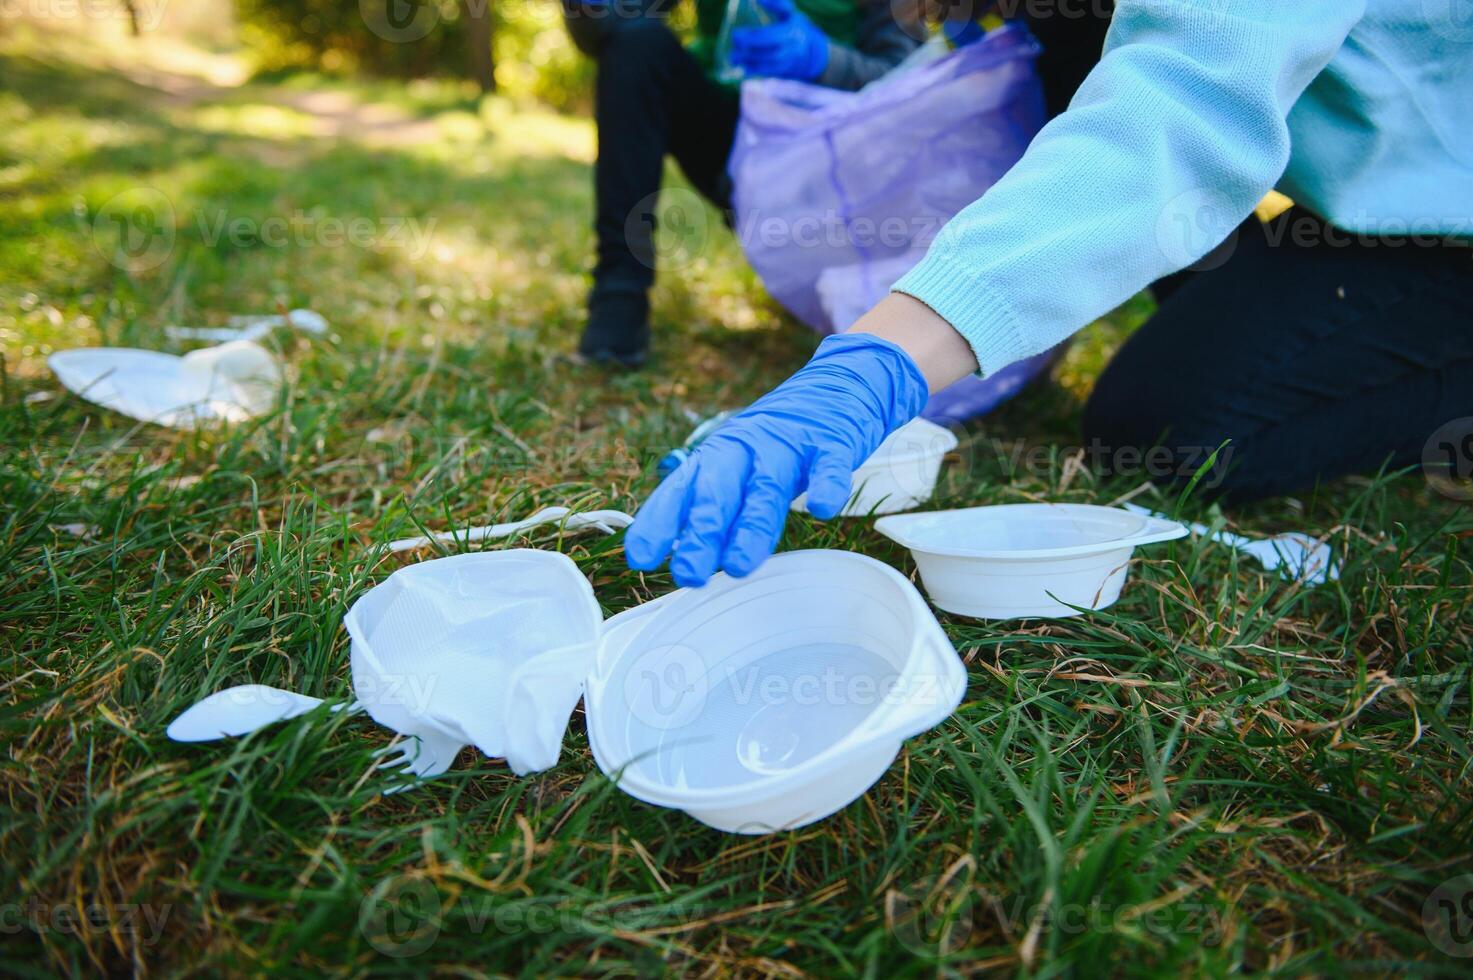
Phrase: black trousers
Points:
(1313, 352)
(652, 98)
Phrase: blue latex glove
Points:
(791, 46)
(726, 505)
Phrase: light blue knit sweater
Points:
(1360, 110)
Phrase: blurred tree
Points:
(478, 40)
(131, 7)
(519, 48)
(407, 38)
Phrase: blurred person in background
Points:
(657, 96)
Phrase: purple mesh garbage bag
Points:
(836, 195)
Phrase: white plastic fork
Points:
(422, 756)
(1294, 555)
(607, 521)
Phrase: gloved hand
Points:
(726, 505)
(791, 46)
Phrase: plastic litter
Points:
(1025, 560)
(671, 461)
(739, 13)
(753, 704)
(902, 473)
(607, 521)
(233, 382)
(238, 711)
(248, 708)
(769, 702)
(827, 206)
(251, 327)
(484, 649)
(1295, 555)
(411, 660)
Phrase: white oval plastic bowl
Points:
(901, 474)
(769, 702)
(1016, 561)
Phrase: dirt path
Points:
(188, 80)
(337, 115)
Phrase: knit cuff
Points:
(987, 322)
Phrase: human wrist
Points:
(940, 353)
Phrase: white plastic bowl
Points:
(901, 474)
(769, 702)
(1017, 561)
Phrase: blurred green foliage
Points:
(418, 39)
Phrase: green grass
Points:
(1223, 773)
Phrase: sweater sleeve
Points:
(882, 42)
(1167, 146)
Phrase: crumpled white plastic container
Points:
(232, 382)
(487, 649)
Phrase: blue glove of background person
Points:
(726, 505)
(791, 46)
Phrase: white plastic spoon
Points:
(248, 708)
(251, 327)
(1296, 556)
(240, 710)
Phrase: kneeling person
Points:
(656, 96)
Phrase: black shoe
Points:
(618, 330)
